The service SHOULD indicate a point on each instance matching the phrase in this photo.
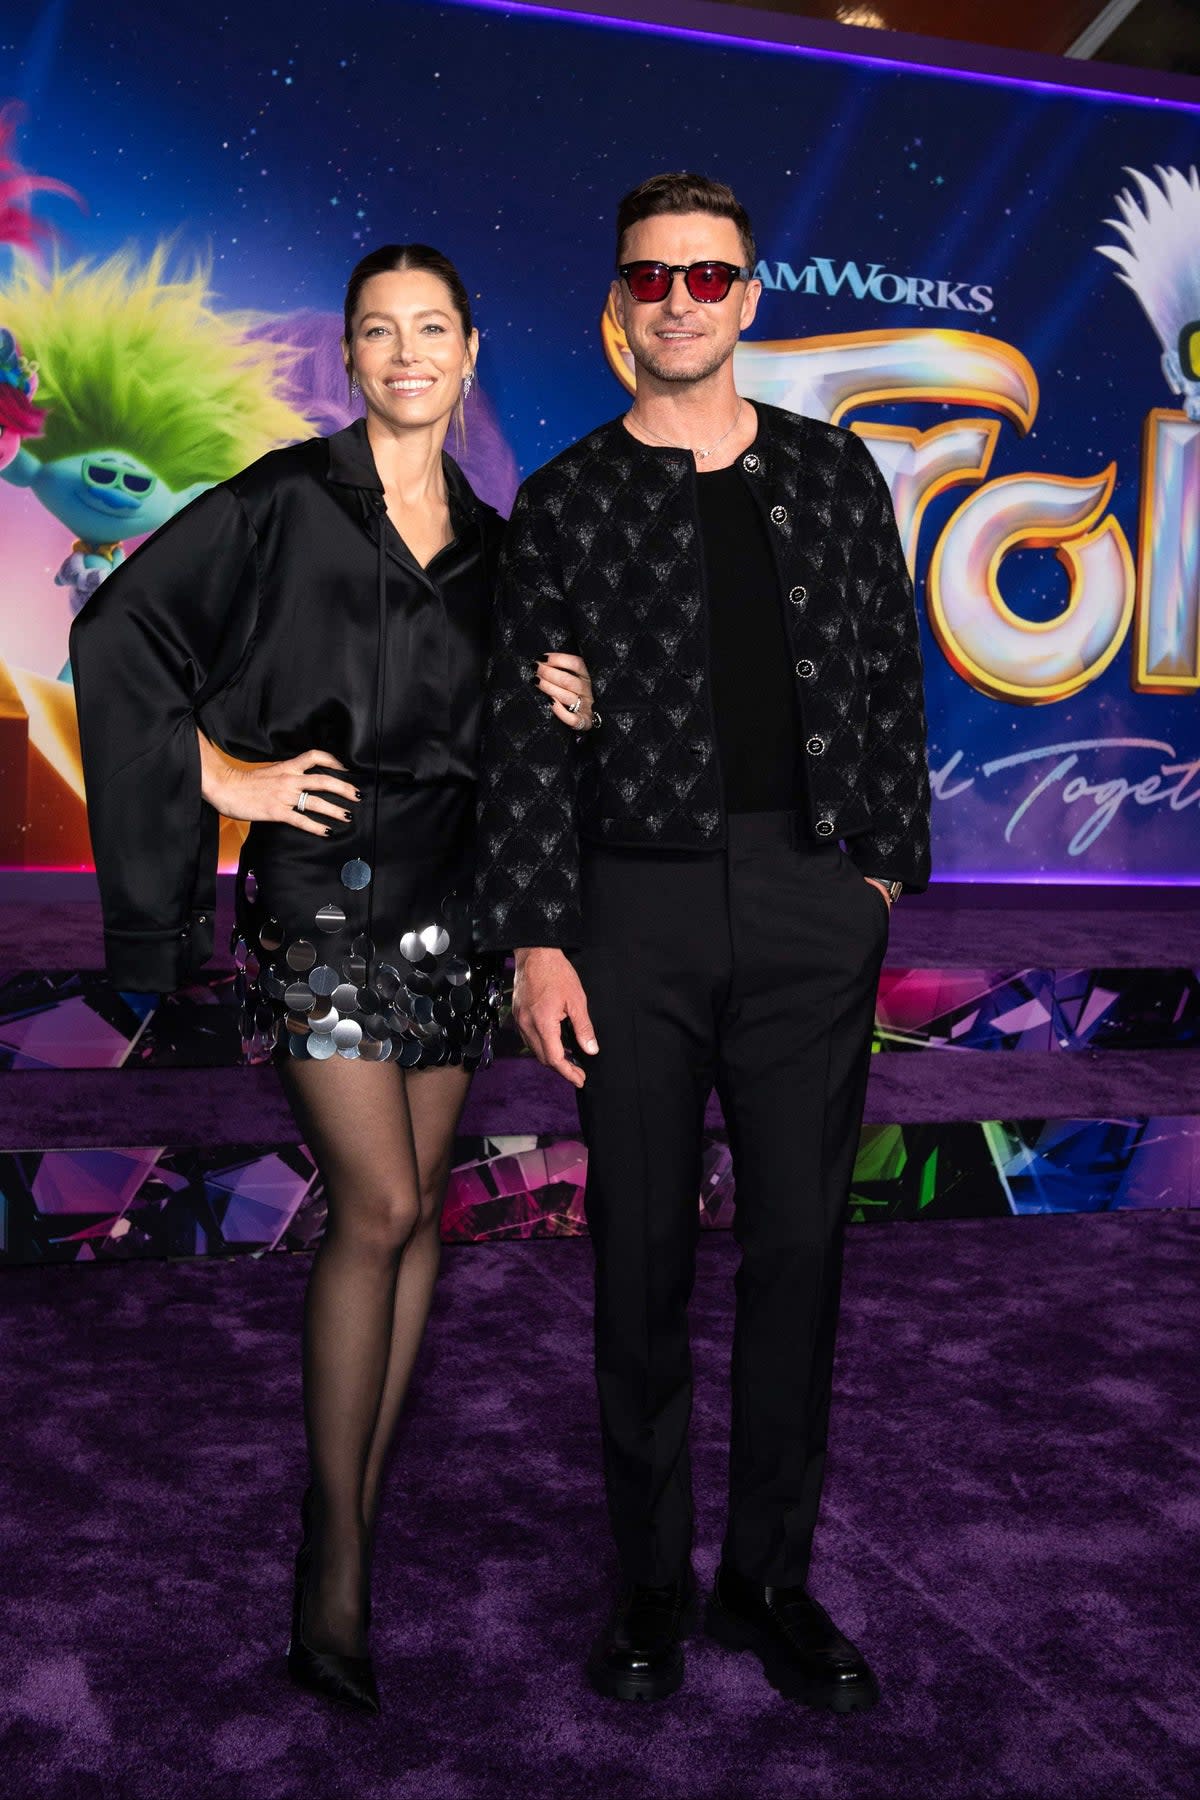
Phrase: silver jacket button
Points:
(779, 515)
(815, 746)
(824, 827)
(806, 669)
(798, 596)
(751, 464)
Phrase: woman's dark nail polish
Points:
(346, 816)
(328, 830)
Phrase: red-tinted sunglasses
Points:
(705, 281)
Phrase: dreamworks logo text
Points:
(823, 276)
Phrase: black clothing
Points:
(753, 968)
(389, 970)
(281, 612)
(754, 706)
(803, 1653)
(639, 1654)
(603, 557)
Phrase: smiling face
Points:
(408, 350)
(681, 340)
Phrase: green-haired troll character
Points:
(150, 397)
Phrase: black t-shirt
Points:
(754, 699)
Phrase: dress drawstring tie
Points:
(379, 507)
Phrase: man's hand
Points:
(546, 991)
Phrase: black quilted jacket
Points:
(603, 555)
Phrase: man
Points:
(684, 914)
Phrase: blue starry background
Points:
(291, 138)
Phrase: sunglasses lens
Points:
(708, 281)
(649, 281)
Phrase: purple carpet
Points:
(1014, 1488)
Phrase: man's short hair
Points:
(685, 193)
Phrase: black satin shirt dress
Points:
(282, 612)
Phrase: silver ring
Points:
(302, 802)
(576, 703)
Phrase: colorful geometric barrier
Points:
(77, 1020)
(122, 1204)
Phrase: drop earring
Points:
(468, 382)
(355, 390)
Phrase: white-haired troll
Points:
(1160, 261)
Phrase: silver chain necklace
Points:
(700, 455)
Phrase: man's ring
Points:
(302, 802)
(576, 703)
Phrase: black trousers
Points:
(753, 969)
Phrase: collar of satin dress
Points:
(352, 464)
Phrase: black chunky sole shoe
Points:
(626, 1673)
(834, 1695)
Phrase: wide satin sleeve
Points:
(161, 635)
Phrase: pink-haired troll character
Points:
(19, 230)
(19, 417)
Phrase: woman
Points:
(323, 617)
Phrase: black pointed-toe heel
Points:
(348, 1680)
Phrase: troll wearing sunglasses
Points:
(1160, 261)
(150, 397)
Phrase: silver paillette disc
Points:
(374, 1049)
(322, 1048)
(272, 983)
(362, 946)
(250, 886)
(323, 980)
(323, 1023)
(409, 1053)
(345, 996)
(347, 1034)
(355, 874)
(297, 1045)
(387, 980)
(412, 948)
(301, 956)
(240, 953)
(330, 917)
(436, 940)
(299, 997)
(350, 1052)
(270, 935)
(458, 971)
(355, 969)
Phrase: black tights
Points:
(382, 1139)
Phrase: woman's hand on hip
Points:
(271, 791)
(564, 679)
